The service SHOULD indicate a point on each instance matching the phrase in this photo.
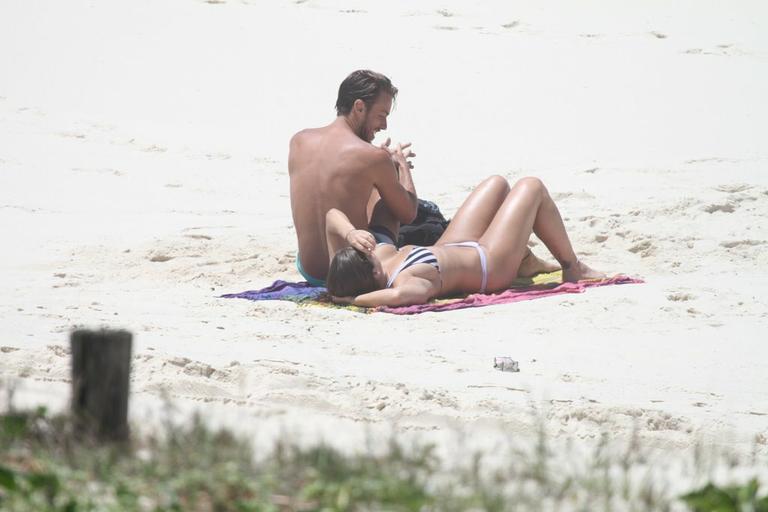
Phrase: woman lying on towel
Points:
(484, 248)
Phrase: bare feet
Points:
(532, 265)
(579, 271)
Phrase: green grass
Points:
(45, 466)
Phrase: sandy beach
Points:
(143, 173)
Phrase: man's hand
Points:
(361, 240)
(400, 153)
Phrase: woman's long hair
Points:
(350, 274)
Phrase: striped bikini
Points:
(424, 255)
(416, 256)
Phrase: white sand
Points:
(140, 131)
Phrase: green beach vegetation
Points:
(44, 466)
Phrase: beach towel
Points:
(542, 285)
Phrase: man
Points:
(336, 166)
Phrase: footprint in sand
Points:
(658, 35)
(720, 50)
(439, 397)
(154, 148)
(727, 207)
(732, 188)
(737, 243)
(71, 135)
(59, 350)
(657, 420)
(644, 247)
(160, 258)
(680, 297)
(104, 171)
(740, 198)
(218, 156)
(198, 368)
(72, 280)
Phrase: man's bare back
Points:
(336, 166)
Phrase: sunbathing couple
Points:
(349, 198)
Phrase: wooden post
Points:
(101, 366)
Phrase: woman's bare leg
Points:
(476, 212)
(532, 265)
(528, 208)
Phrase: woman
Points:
(483, 249)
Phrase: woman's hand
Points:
(342, 300)
(361, 240)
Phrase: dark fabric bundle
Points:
(426, 228)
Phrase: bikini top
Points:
(416, 256)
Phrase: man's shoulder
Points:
(350, 148)
(303, 135)
(371, 154)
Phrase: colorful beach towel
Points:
(542, 285)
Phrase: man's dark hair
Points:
(350, 274)
(365, 85)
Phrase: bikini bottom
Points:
(483, 260)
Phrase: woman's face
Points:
(378, 270)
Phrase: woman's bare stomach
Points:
(460, 269)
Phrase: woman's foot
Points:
(532, 265)
(579, 271)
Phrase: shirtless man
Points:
(336, 166)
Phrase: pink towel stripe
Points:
(507, 296)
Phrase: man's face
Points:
(376, 117)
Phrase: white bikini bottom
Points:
(483, 260)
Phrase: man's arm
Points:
(340, 233)
(395, 184)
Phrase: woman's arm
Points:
(340, 233)
(415, 290)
